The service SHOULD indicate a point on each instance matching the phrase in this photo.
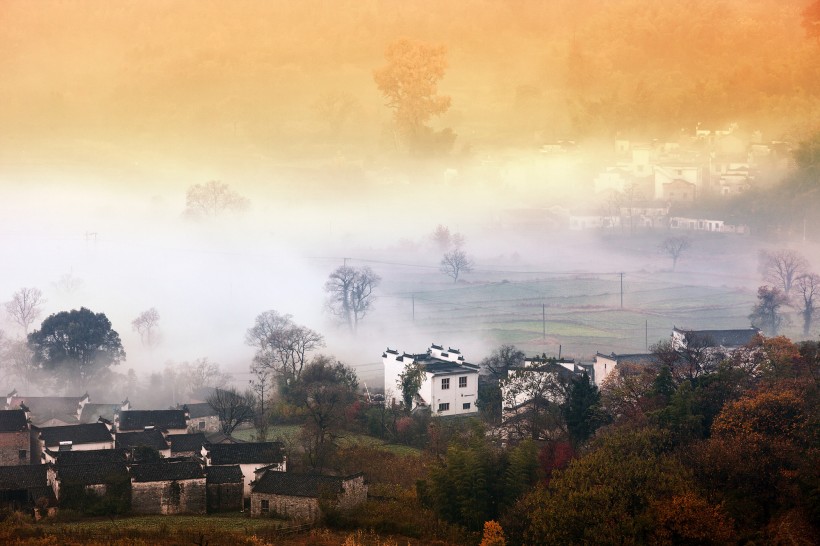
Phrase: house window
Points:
(265, 506)
(444, 407)
(462, 382)
(445, 383)
(201, 425)
(465, 406)
(23, 454)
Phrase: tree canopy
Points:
(75, 345)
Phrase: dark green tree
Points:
(410, 380)
(582, 409)
(76, 345)
(766, 314)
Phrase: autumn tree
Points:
(766, 314)
(232, 408)
(282, 345)
(456, 262)
(781, 268)
(807, 286)
(25, 306)
(674, 247)
(212, 199)
(76, 345)
(146, 326)
(753, 460)
(409, 82)
(350, 293)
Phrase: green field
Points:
(581, 313)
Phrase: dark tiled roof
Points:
(159, 472)
(91, 474)
(76, 434)
(224, 474)
(13, 420)
(49, 405)
(144, 438)
(186, 442)
(23, 477)
(721, 338)
(248, 453)
(299, 485)
(91, 456)
(164, 419)
(444, 367)
(92, 412)
(636, 358)
(200, 410)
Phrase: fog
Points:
(111, 112)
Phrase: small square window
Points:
(465, 406)
(201, 425)
(462, 382)
(265, 506)
(23, 454)
(445, 383)
(444, 407)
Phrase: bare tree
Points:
(25, 307)
(68, 283)
(212, 199)
(231, 408)
(259, 397)
(282, 345)
(145, 324)
(782, 267)
(350, 293)
(674, 247)
(808, 286)
(456, 262)
(198, 374)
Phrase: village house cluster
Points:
(153, 461)
(654, 185)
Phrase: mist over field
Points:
(112, 111)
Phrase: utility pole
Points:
(544, 321)
(622, 290)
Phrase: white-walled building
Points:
(450, 385)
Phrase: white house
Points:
(603, 365)
(450, 385)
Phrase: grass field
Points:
(289, 434)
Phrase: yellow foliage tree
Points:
(493, 534)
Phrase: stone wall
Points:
(169, 497)
(299, 508)
(11, 444)
(225, 497)
(354, 492)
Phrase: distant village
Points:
(654, 185)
